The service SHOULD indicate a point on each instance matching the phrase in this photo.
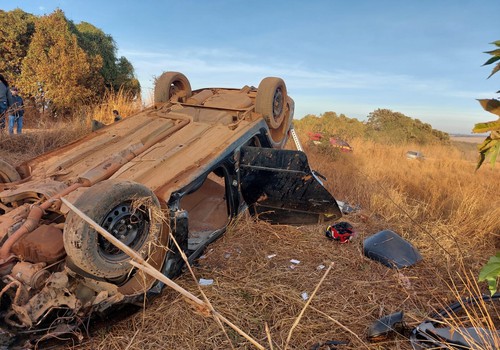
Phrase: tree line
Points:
(60, 65)
(382, 125)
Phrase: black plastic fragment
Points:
(390, 249)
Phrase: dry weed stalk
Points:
(476, 313)
(297, 320)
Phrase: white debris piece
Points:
(304, 296)
(295, 261)
(205, 282)
(270, 256)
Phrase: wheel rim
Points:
(277, 103)
(129, 225)
(174, 88)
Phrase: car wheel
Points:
(169, 84)
(111, 203)
(271, 101)
(8, 173)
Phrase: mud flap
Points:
(279, 187)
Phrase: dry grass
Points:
(119, 100)
(47, 134)
(448, 211)
(16, 149)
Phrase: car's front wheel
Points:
(272, 102)
(126, 210)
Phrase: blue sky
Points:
(421, 58)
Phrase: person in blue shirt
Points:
(5, 100)
(16, 112)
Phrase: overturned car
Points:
(198, 157)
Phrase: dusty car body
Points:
(415, 155)
(198, 157)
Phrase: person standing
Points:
(16, 112)
(5, 100)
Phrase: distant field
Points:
(470, 139)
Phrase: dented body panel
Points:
(197, 157)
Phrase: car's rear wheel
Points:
(126, 210)
(170, 84)
(8, 173)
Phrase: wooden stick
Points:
(207, 301)
(297, 320)
(143, 265)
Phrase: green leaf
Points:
(480, 160)
(487, 144)
(490, 272)
(493, 151)
(491, 60)
(490, 105)
(490, 147)
(496, 69)
(494, 52)
(497, 43)
(488, 126)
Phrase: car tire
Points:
(271, 101)
(8, 173)
(110, 203)
(170, 83)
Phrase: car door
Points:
(280, 187)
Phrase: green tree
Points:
(330, 124)
(387, 126)
(96, 43)
(125, 77)
(61, 64)
(16, 29)
(56, 69)
(118, 73)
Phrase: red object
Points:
(314, 136)
(341, 232)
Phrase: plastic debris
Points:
(320, 267)
(270, 256)
(304, 296)
(346, 208)
(390, 249)
(205, 282)
(295, 261)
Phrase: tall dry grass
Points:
(439, 200)
(120, 100)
